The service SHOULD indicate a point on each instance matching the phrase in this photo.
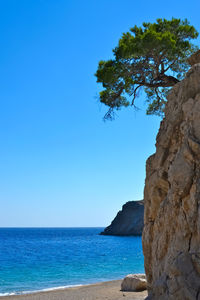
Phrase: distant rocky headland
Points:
(128, 221)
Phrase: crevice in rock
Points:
(197, 295)
(184, 214)
(189, 242)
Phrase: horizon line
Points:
(52, 227)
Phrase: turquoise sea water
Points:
(34, 259)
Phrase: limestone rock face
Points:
(194, 59)
(129, 221)
(134, 282)
(171, 236)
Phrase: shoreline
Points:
(40, 291)
(108, 290)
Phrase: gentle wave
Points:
(36, 259)
(39, 291)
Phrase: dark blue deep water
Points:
(41, 258)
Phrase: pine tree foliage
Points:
(153, 58)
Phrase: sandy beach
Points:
(109, 290)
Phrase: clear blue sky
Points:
(60, 164)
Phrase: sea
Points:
(38, 259)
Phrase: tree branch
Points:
(170, 66)
(134, 94)
(162, 81)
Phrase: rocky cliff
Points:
(129, 221)
(171, 236)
